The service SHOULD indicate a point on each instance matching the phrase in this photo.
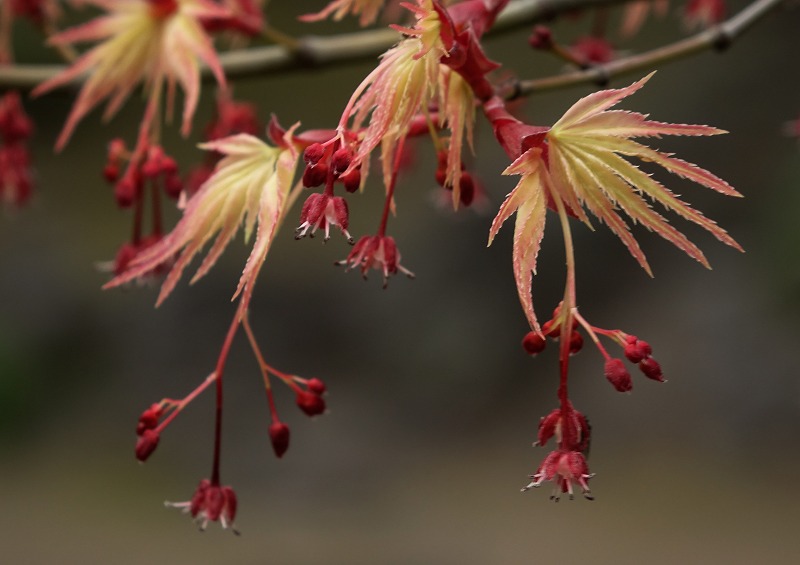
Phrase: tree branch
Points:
(719, 37)
(316, 51)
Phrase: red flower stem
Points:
(157, 228)
(223, 357)
(180, 405)
(568, 309)
(265, 367)
(591, 331)
(257, 352)
(138, 205)
(329, 180)
(390, 189)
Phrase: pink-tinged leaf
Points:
(642, 181)
(78, 68)
(621, 123)
(247, 184)
(620, 192)
(270, 214)
(138, 45)
(588, 190)
(564, 184)
(239, 144)
(528, 233)
(672, 164)
(595, 103)
(97, 29)
(528, 165)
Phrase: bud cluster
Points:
(244, 17)
(308, 397)
(211, 503)
(327, 164)
(16, 129)
(536, 342)
(566, 465)
(636, 351)
(231, 118)
(376, 252)
(147, 431)
(466, 189)
(153, 165)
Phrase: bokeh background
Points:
(433, 405)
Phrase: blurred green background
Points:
(433, 405)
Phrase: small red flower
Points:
(618, 375)
(210, 503)
(279, 437)
(572, 433)
(321, 211)
(146, 444)
(310, 402)
(16, 179)
(592, 50)
(566, 469)
(533, 343)
(376, 252)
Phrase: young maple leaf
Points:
(579, 164)
(154, 41)
(252, 182)
(408, 81)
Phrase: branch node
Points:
(722, 40)
(602, 75)
(305, 54)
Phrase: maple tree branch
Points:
(718, 37)
(320, 51)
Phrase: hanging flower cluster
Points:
(433, 82)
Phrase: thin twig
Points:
(718, 37)
(316, 51)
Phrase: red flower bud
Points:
(316, 386)
(173, 185)
(651, 369)
(633, 352)
(153, 164)
(168, 165)
(111, 172)
(575, 342)
(313, 153)
(146, 444)
(352, 180)
(533, 343)
(541, 38)
(341, 160)
(279, 436)
(125, 192)
(636, 350)
(466, 189)
(124, 256)
(618, 375)
(315, 175)
(149, 418)
(441, 176)
(310, 403)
